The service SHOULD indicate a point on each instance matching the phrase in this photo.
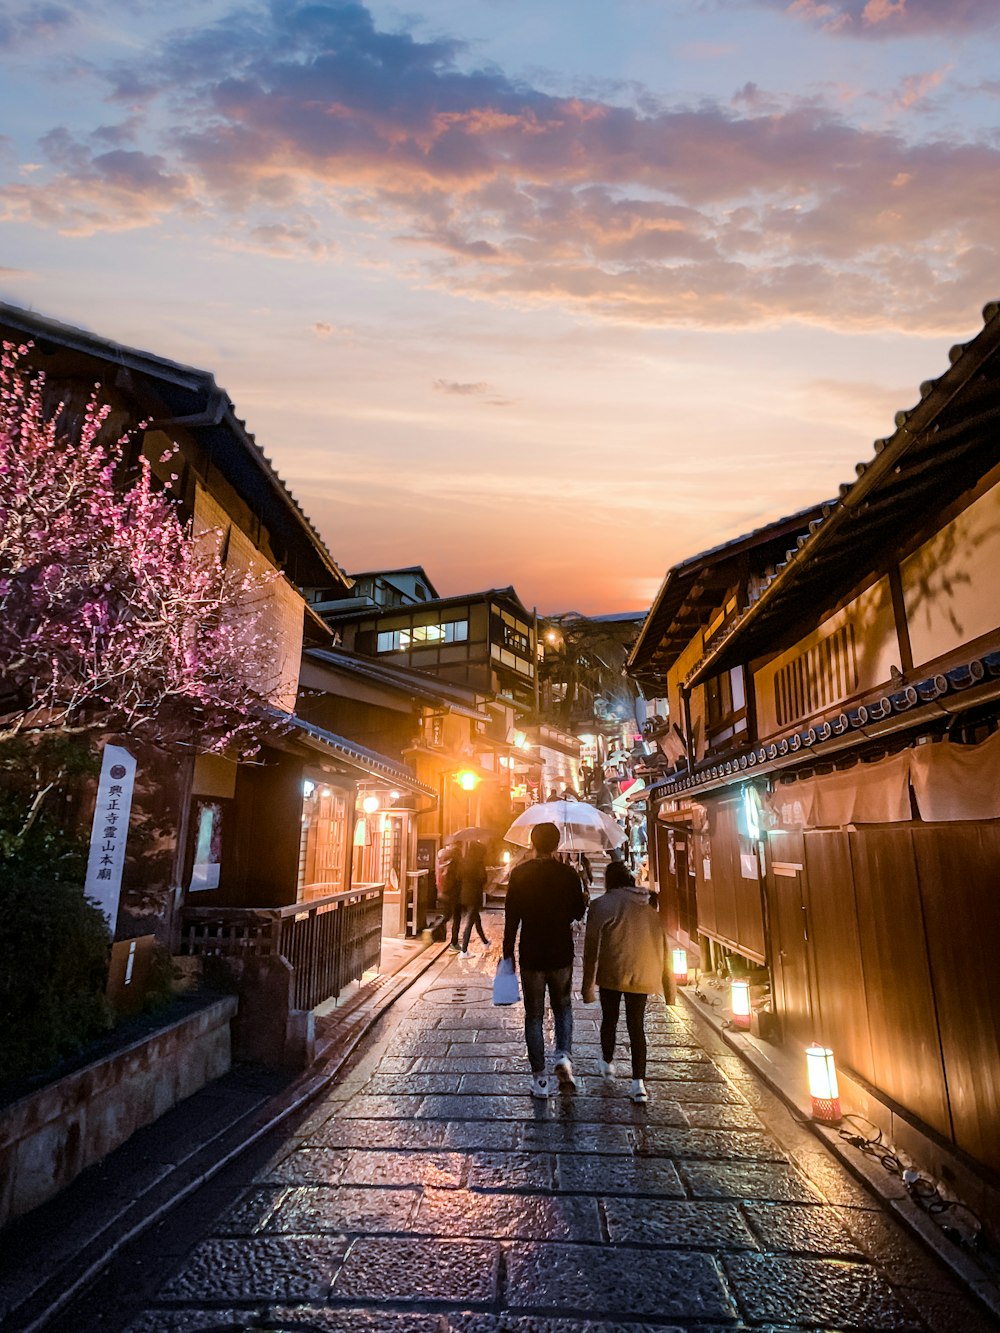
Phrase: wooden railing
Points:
(329, 942)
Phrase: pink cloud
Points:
(892, 18)
(751, 213)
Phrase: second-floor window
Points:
(399, 640)
(515, 640)
(725, 706)
(822, 675)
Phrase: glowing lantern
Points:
(370, 805)
(823, 1089)
(739, 1003)
(468, 781)
(681, 967)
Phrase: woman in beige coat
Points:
(625, 953)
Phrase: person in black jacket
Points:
(473, 889)
(544, 898)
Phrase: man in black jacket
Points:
(544, 898)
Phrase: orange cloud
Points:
(747, 214)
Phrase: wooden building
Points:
(485, 640)
(207, 831)
(838, 816)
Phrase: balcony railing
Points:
(329, 942)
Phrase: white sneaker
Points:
(638, 1091)
(540, 1086)
(606, 1068)
(463, 953)
(563, 1070)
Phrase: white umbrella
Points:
(582, 828)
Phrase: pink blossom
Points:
(111, 615)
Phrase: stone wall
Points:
(48, 1137)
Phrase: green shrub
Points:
(54, 945)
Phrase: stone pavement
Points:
(427, 1190)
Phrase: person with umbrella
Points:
(472, 877)
(625, 952)
(543, 900)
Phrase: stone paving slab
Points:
(434, 1170)
(691, 1092)
(512, 1171)
(468, 1064)
(403, 1269)
(510, 1216)
(340, 1208)
(388, 1133)
(705, 1226)
(569, 1136)
(473, 1134)
(259, 1268)
(747, 1180)
(580, 1173)
(613, 1282)
(486, 1323)
(417, 1084)
(801, 1229)
(720, 1117)
(724, 1145)
(819, 1291)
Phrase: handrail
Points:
(291, 909)
(328, 942)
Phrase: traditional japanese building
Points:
(837, 821)
(206, 830)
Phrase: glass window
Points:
(514, 639)
(389, 640)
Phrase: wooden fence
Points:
(329, 942)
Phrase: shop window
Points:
(323, 845)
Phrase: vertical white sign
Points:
(110, 831)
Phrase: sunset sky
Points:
(543, 292)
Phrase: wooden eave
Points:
(191, 400)
(940, 450)
(695, 587)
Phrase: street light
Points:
(468, 781)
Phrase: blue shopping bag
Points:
(505, 987)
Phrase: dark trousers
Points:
(534, 985)
(635, 1015)
(473, 919)
(456, 921)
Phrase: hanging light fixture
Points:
(739, 1002)
(370, 805)
(823, 1090)
(680, 961)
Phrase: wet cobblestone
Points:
(557, 1277)
(429, 1191)
(457, 1271)
(820, 1291)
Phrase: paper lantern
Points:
(823, 1089)
(681, 967)
(739, 1003)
